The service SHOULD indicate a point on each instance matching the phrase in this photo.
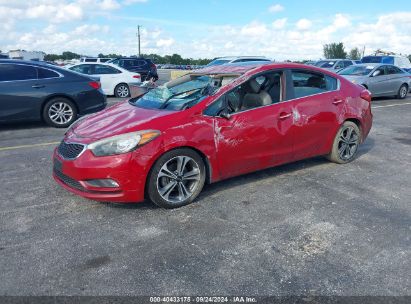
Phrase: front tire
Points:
(402, 92)
(122, 90)
(346, 143)
(176, 178)
(59, 112)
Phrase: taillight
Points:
(153, 66)
(366, 95)
(94, 84)
(137, 76)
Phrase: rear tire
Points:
(402, 92)
(122, 90)
(176, 178)
(345, 144)
(59, 112)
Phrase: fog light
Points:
(102, 183)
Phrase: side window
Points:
(45, 73)
(393, 70)
(331, 83)
(215, 108)
(308, 83)
(339, 65)
(256, 92)
(82, 68)
(140, 63)
(347, 63)
(379, 72)
(103, 69)
(117, 61)
(11, 72)
(91, 60)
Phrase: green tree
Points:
(355, 54)
(334, 51)
(51, 57)
(69, 55)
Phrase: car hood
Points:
(118, 119)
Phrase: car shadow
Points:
(10, 126)
(250, 178)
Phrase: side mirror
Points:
(225, 114)
(376, 73)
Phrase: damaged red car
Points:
(210, 125)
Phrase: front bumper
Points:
(124, 169)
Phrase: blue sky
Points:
(208, 28)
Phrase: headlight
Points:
(122, 143)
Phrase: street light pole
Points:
(138, 35)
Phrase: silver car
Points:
(334, 65)
(380, 79)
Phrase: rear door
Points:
(395, 78)
(380, 84)
(316, 104)
(21, 92)
(109, 77)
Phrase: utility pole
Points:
(138, 35)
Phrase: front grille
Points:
(70, 150)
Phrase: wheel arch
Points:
(359, 125)
(205, 159)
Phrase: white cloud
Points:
(129, 2)
(109, 5)
(304, 24)
(279, 23)
(275, 8)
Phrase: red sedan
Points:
(210, 125)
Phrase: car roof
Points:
(240, 57)
(32, 62)
(242, 68)
(374, 65)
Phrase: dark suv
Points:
(145, 67)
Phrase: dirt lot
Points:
(307, 227)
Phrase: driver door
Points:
(252, 139)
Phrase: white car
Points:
(114, 79)
(238, 59)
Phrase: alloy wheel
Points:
(348, 143)
(403, 91)
(122, 91)
(178, 179)
(60, 113)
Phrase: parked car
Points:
(94, 59)
(145, 67)
(399, 61)
(380, 79)
(334, 64)
(40, 91)
(210, 125)
(237, 59)
(114, 80)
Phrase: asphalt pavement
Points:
(311, 227)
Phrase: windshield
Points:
(217, 62)
(325, 64)
(357, 70)
(179, 94)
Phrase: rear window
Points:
(90, 60)
(308, 83)
(45, 73)
(378, 59)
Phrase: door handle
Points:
(284, 115)
(38, 86)
(337, 101)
